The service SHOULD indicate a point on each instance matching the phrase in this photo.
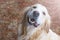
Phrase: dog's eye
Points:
(44, 13)
(34, 7)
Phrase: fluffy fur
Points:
(42, 31)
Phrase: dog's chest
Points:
(36, 34)
(43, 36)
(48, 36)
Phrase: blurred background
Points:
(11, 15)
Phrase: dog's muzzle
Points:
(33, 21)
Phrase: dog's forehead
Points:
(38, 6)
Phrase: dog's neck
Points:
(32, 32)
(36, 34)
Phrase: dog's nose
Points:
(35, 13)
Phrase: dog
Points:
(36, 24)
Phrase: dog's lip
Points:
(34, 23)
(32, 20)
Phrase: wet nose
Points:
(35, 13)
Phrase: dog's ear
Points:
(47, 24)
(24, 21)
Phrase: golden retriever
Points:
(36, 24)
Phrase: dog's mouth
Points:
(33, 22)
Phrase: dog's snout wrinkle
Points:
(35, 13)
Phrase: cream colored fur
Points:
(42, 32)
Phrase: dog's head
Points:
(37, 15)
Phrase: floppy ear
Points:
(47, 24)
(24, 22)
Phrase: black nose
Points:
(35, 13)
